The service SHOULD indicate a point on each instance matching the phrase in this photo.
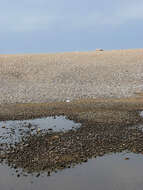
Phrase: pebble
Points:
(127, 158)
(58, 150)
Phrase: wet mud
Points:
(49, 151)
(74, 108)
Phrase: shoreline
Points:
(107, 126)
(123, 111)
(39, 85)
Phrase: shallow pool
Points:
(121, 170)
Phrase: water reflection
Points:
(99, 155)
(107, 172)
(51, 151)
(11, 131)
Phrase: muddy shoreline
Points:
(107, 126)
(99, 93)
(49, 151)
(56, 151)
(109, 110)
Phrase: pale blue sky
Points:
(35, 26)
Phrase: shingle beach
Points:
(61, 76)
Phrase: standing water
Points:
(108, 158)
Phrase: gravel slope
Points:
(61, 76)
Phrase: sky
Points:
(42, 26)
